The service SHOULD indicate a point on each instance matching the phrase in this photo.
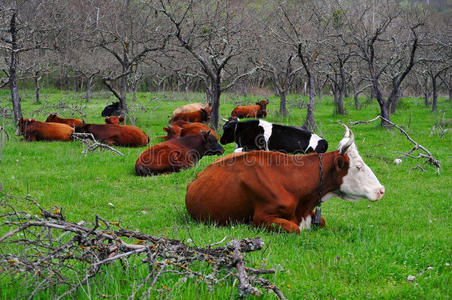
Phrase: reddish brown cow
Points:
(190, 108)
(183, 128)
(259, 110)
(115, 120)
(276, 190)
(71, 122)
(33, 130)
(176, 154)
(202, 115)
(117, 135)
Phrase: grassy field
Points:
(366, 250)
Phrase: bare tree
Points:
(385, 42)
(128, 31)
(214, 33)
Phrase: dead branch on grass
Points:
(426, 155)
(45, 251)
(92, 144)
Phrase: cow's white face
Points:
(359, 182)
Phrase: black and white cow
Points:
(263, 135)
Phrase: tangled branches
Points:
(426, 155)
(92, 144)
(45, 251)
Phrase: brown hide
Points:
(116, 135)
(202, 115)
(115, 120)
(190, 108)
(33, 130)
(259, 110)
(269, 189)
(183, 128)
(176, 154)
(71, 122)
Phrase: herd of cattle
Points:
(261, 183)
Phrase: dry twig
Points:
(89, 140)
(45, 251)
(427, 155)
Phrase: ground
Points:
(367, 249)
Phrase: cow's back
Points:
(118, 135)
(48, 131)
(190, 108)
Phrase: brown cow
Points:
(117, 135)
(276, 190)
(202, 115)
(259, 110)
(183, 128)
(176, 154)
(71, 122)
(190, 108)
(33, 130)
(115, 120)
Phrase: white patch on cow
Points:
(238, 150)
(305, 223)
(359, 182)
(313, 141)
(268, 128)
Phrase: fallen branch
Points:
(45, 251)
(2, 129)
(427, 156)
(89, 140)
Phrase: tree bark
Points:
(215, 100)
(12, 71)
(310, 122)
(37, 87)
(394, 101)
(89, 84)
(355, 97)
(435, 94)
(123, 90)
(282, 104)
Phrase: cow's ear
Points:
(339, 162)
(205, 134)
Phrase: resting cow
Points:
(176, 154)
(202, 115)
(263, 135)
(116, 135)
(33, 130)
(115, 120)
(71, 122)
(276, 190)
(183, 128)
(113, 109)
(259, 110)
(190, 108)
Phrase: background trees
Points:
(285, 46)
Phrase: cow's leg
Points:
(272, 223)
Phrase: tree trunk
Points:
(123, 90)
(215, 100)
(393, 102)
(310, 122)
(282, 104)
(89, 84)
(340, 103)
(384, 105)
(37, 88)
(355, 97)
(244, 89)
(435, 94)
(12, 72)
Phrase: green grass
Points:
(366, 250)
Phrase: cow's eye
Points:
(359, 167)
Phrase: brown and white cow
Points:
(33, 130)
(176, 154)
(190, 108)
(71, 122)
(202, 115)
(259, 110)
(116, 135)
(273, 189)
(182, 128)
(115, 120)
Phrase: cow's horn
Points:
(224, 119)
(347, 141)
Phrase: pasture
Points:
(367, 249)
